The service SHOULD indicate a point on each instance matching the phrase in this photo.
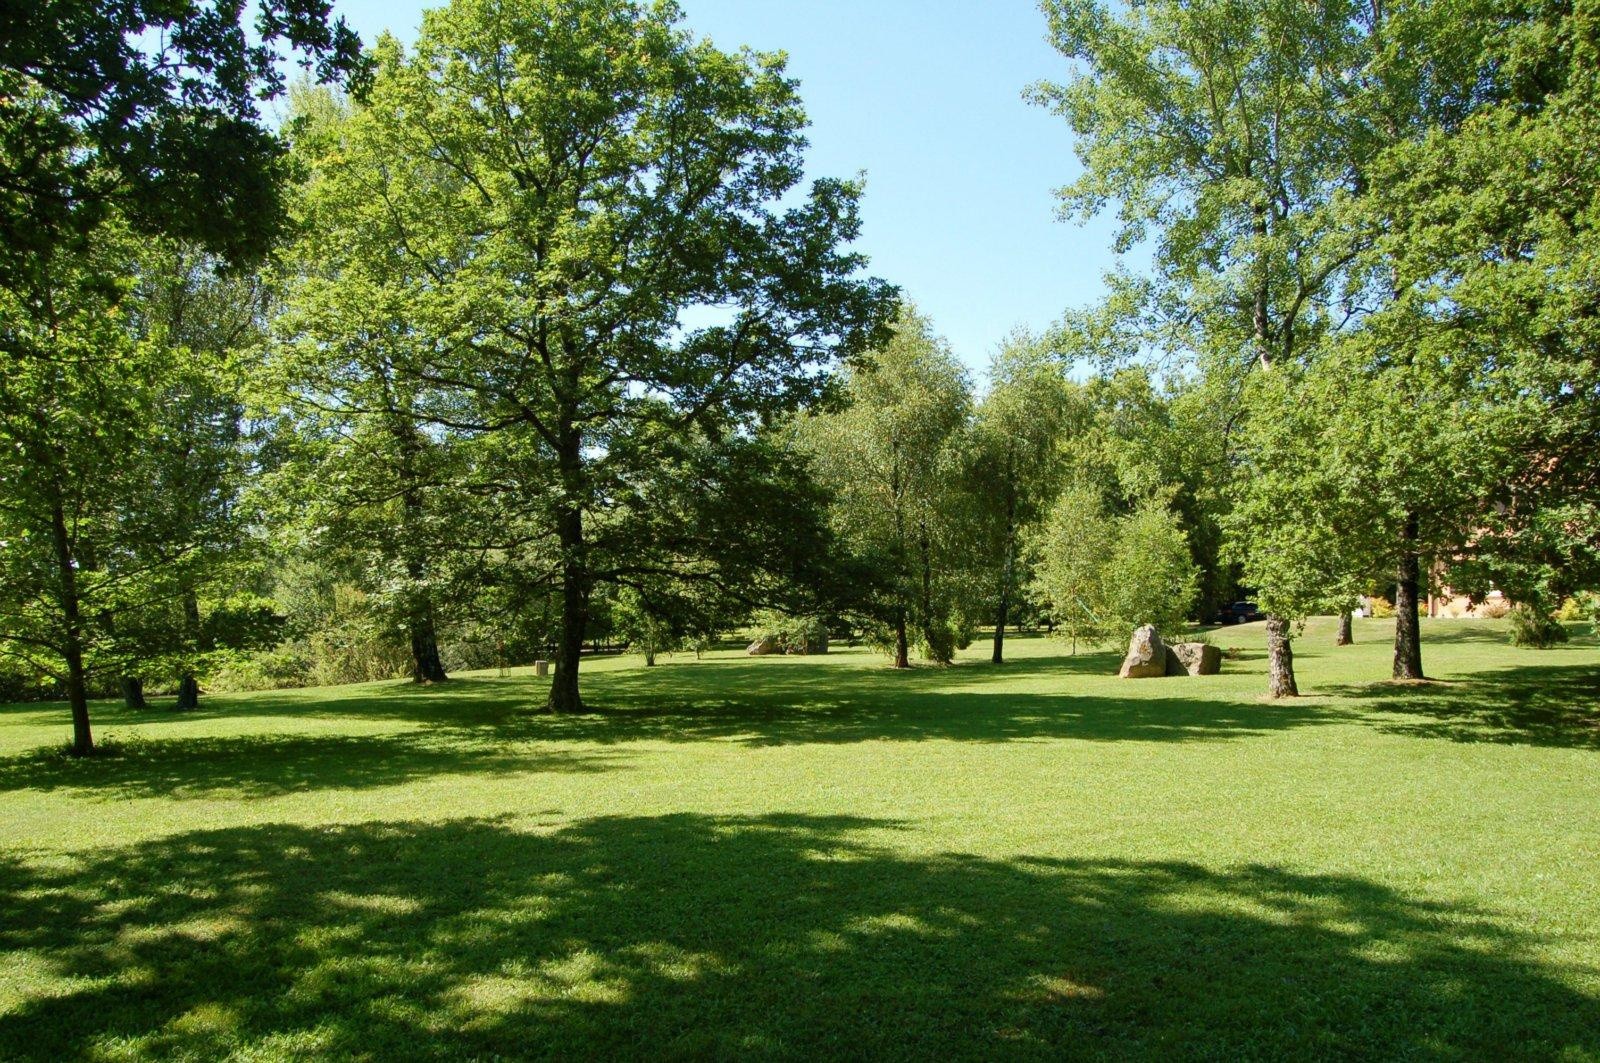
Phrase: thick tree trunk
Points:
(1344, 637)
(1280, 660)
(72, 634)
(189, 686)
(133, 692)
(564, 696)
(1407, 629)
(426, 665)
(902, 656)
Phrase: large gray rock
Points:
(1195, 658)
(1147, 655)
(763, 647)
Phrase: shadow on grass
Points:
(269, 765)
(777, 702)
(662, 708)
(1541, 705)
(773, 936)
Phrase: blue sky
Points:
(926, 98)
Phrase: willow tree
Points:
(893, 457)
(591, 219)
(1027, 409)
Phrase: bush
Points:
(1571, 610)
(792, 634)
(940, 643)
(1534, 628)
(1494, 608)
(1382, 608)
(264, 670)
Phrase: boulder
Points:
(763, 647)
(1195, 658)
(1147, 655)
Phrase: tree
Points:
(1491, 234)
(1107, 575)
(1015, 471)
(1236, 134)
(892, 456)
(149, 109)
(1074, 547)
(567, 185)
(74, 392)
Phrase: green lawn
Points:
(819, 856)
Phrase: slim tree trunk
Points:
(650, 657)
(1280, 660)
(189, 686)
(133, 692)
(1007, 573)
(902, 658)
(1344, 638)
(1407, 630)
(72, 633)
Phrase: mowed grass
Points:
(803, 857)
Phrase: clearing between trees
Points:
(792, 857)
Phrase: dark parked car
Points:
(1240, 613)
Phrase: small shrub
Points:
(940, 643)
(1534, 628)
(1233, 653)
(1382, 608)
(1494, 608)
(1571, 610)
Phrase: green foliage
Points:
(789, 633)
(1534, 627)
(151, 110)
(531, 202)
(1107, 575)
(1074, 547)
(892, 456)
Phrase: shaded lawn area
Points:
(820, 857)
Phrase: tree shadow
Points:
(1539, 705)
(269, 765)
(657, 711)
(773, 936)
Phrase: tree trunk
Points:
(133, 692)
(1280, 660)
(564, 696)
(1344, 638)
(925, 560)
(1007, 573)
(902, 658)
(1407, 630)
(72, 634)
(650, 657)
(426, 665)
(999, 654)
(188, 686)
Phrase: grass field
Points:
(803, 857)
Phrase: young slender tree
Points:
(892, 457)
(1015, 468)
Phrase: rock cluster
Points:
(1148, 657)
